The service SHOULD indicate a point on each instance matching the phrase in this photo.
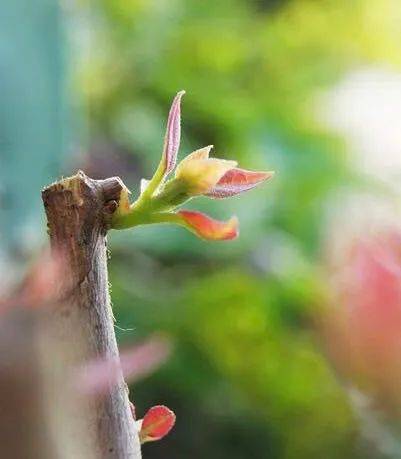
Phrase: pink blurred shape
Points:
(137, 362)
(364, 334)
(41, 285)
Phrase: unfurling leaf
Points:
(156, 424)
(199, 174)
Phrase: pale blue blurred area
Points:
(32, 113)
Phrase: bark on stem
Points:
(78, 209)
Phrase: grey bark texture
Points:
(78, 210)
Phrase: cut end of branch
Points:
(103, 195)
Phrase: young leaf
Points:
(201, 175)
(237, 181)
(170, 149)
(196, 175)
(201, 153)
(156, 424)
(208, 228)
(173, 135)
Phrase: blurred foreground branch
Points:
(24, 430)
(78, 210)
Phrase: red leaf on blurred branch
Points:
(156, 424)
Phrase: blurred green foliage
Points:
(248, 378)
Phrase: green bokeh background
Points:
(248, 377)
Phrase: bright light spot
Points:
(366, 108)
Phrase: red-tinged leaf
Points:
(173, 134)
(156, 424)
(237, 181)
(208, 228)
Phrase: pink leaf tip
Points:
(237, 181)
(156, 424)
(173, 134)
